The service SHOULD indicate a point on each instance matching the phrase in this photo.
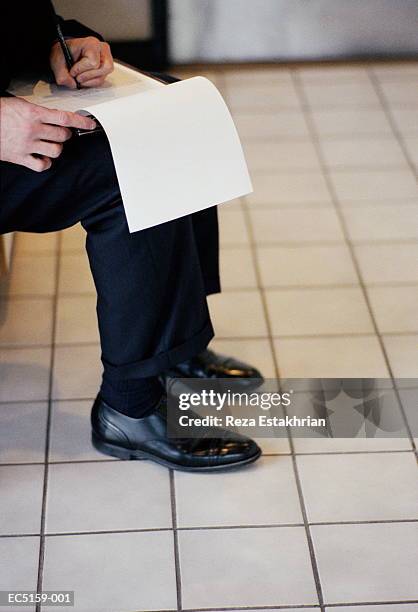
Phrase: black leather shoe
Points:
(121, 436)
(211, 365)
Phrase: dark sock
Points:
(134, 397)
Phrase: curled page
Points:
(175, 149)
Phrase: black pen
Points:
(63, 43)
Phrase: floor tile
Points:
(257, 75)
(392, 263)
(362, 153)
(232, 228)
(71, 433)
(342, 357)
(406, 120)
(370, 223)
(30, 276)
(333, 74)
(73, 239)
(25, 322)
(252, 496)
(318, 311)
(366, 571)
(351, 122)
(22, 432)
(76, 320)
(341, 95)
(350, 445)
(255, 351)
(261, 126)
(403, 355)
(124, 575)
(238, 313)
(274, 445)
(268, 156)
(306, 266)
(374, 184)
(21, 498)
(237, 269)
(269, 97)
(395, 308)
(19, 565)
(227, 558)
(298, 225)
(395, 71)
(108, 496)
(75, 275)
(359, 487)
(24, 374)
(77, 372)
(381, 202)
(34, 244)
(400, 94)
(301, 189)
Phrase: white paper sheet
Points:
(175, 147)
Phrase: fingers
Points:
(90, 57)
(93, 59)
(47, 149)
(38, 164)
(60, 70)
(67, 119)
(63, 77)
(93, 78)
(94, 82)
(54, 133)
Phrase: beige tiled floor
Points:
(320, 276)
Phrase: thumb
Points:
(62, 76)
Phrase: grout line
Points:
(175, 540)
(256, 608)
(400, 139)
(48, 424)
(374, 603)
(64, 534)
(389, 116)
(347, 334)
(347, 169)
(300, 606)
(314, 565)
(265, 454)
(308, 113)
(409, 332)
(252, 245)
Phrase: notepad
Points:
(175, 147)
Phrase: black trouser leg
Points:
(151, 291)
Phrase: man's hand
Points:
(33, 136)
(92, 62)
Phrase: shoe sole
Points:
(127, 454)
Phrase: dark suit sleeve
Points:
(25, 44)
(73, 29)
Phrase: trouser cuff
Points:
(154, 366)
